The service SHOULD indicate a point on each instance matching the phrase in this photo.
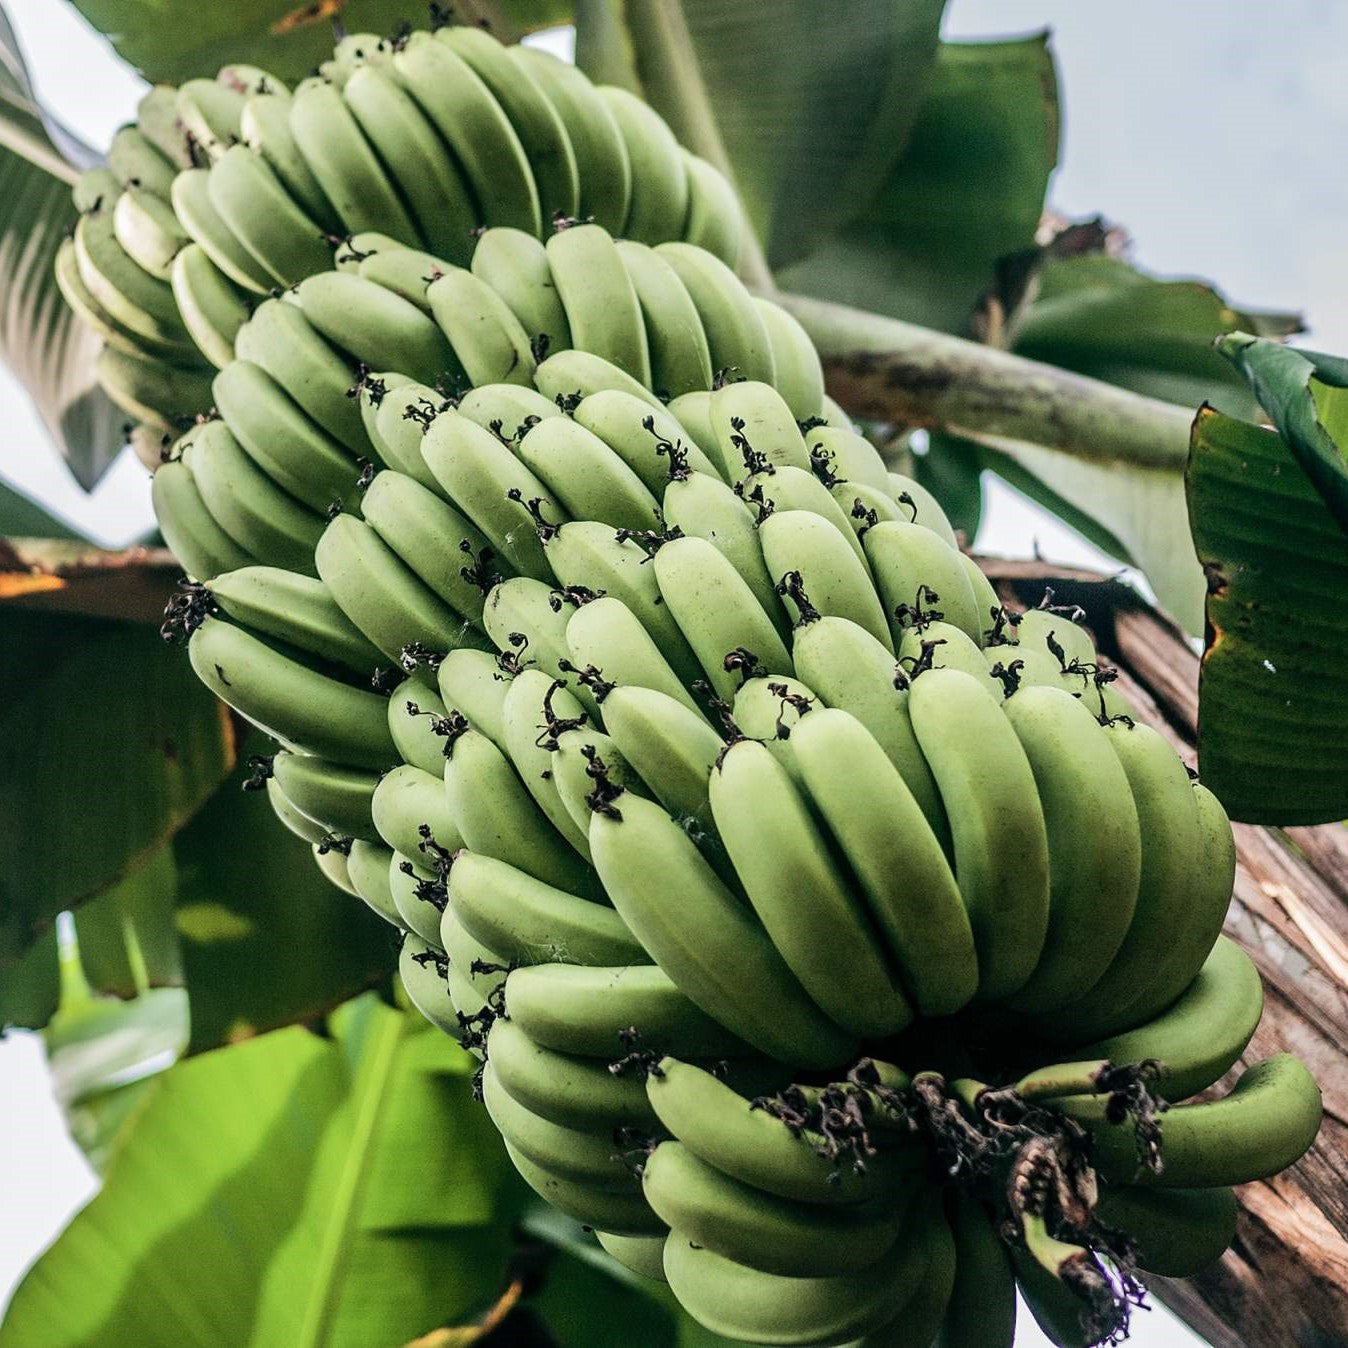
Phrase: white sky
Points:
(1212, 130)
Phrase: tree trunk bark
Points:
(1284, 1282)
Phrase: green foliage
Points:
(295, 1190)
(1268, 516)
(177, 40)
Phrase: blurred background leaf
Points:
(296, 1189)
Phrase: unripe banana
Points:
(569, 376)
(151, 390)
(332, 795)
(702, 936)
(759, 1230)
(714, 221)
(913, 569)
(296, 609)
(416, 899)
(510, 405)
(432, 539)
(265, 128)
(942, 645)
(590, 1011)
(813, 919)
(768, 709)
(140, 303)
(1178, 1232)
(647, 440)
(680, 357)
(212, 306)
(419, 970)
(982, 1307)
(209, 114)
(603, 170)
(148, 230)
(515, 265)
(367, 866)
(136, 162)
(602, 309)
(405, 801)
(157, 121)
(642, 1255)
(923, 507)
(797, 373)
(851, 457)
(474, 684)
(530, 922)
(997, 824)
(659, 203)
(528, 619)
(572, 771)
(298, 824)
(191, 198)
(396, 418)
(292, 702)
(755, 430)
(196, 540)
(790, 488)
(615, 1209)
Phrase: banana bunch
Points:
(224, 190)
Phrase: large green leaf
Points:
(293, 1191)
(968, 190)
(807, 106)
(108, 743)
(177, 40)
(50, 351)
(266, 939)
(1273, 692)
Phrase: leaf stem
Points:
(887, 370)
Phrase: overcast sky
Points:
(1213, 131)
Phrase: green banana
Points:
(592, 556)
(714, 220)
(196, 540)
(942, 645)
(997, 824)
(659, 204)
(853, 671)
(1172, 873)
(345, 165)
(515, 265)
(148, 230)
(810, 559)
(614, 1209)
(572, 771)
(700, 505)
(376, 327)
(397, 422)
(603, 170)
(534, 704)
(648, 441)
(982, 1308)
(530, 922)
(755, 430)
(797, 373)
(985, 597)
(569, 376)
(335, 796)
(209, 114)
(140, 303)
(192, 204)
(1199, 1037)
(586, 476)
(157, 121)
(296, 609)
(296, 704)
(279, 339)
(1178, 1232)
(506, 405)
(265, 128)
(760, 1230)
(747, 1304)
(136, 162)
(476, 128)
(580, 1156)
(717, 612)
(564, 1089)
(151, 390)
(406, 272)
(413, 731)
(679, 355)
(490, 344)
(724, 1129)
(528, 619)
(212, 308)
(292, 450)
(420, 972)
(642, 1255)
(817, 924)
(768, 709)
(588, 1011)
(911, 564)
(1266, 1123)
(923, 507)
(538, 124)
(332, 864)
(851, 457)
(367, 865)
(91, 313)
(605, 635)
(474, 684)
(260, 213)
(890, 847)
(790, 488)
(703, 937)
(602, 308)
(405, 801)
(381, 596)
(298, 824)
(498, 817)
(1094, 844)
(416, 900)
(693, 411)
(431, 538)
(416, 159)
(736, 333)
